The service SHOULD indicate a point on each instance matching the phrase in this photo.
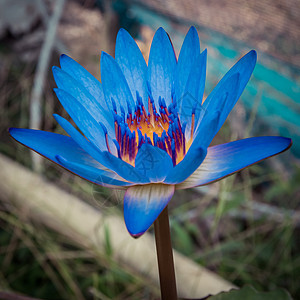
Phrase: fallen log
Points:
(83, 223)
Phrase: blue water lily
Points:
(146, 128)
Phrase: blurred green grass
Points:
(38, 262)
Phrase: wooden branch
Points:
(40, 74)
(245, 211)
(79, 221)
(58, 44)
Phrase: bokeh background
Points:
(244, 228)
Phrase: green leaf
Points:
(249, 293)
(107, 245)
(182, 238)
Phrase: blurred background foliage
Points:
(245, 228)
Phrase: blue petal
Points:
(191, 101)
(187, 166)
(108, 160)
(114, 84)
(52, 145)
(125, 170)
(206, 129)
(81, 140)
(92, 174)
(161, 67)
(153, 162)
(132, 64)
(244, 67)
(222, 100)
(226, 159)
(143, 204)
(86, 79)
(197, 151)
(189, 52)
(67, 83)
(190, 75)
(86, 123)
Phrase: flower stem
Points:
(165, 257)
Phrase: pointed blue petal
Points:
(86, 123)
(108, 160)
(67, 83)
(114, 84)
(187, 166)
(197, 151)
(244, 67)
(86, 79)
(143, 204)
(125, 170)
(97, 176)
(222, 100)
(226, 159)
(206, 130)
(81, 140)
(161, 67)
(52, 145)
(189, 71)
(153, 162)
(191, 101)
(132, 64)
(189, 52)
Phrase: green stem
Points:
(165, 257)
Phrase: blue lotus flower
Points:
(146, 129)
